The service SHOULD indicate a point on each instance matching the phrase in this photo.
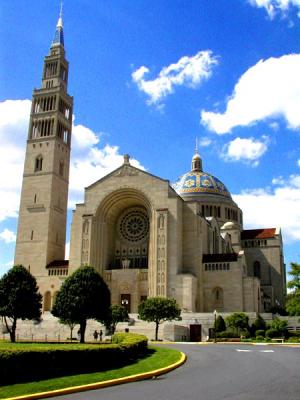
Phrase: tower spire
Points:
(196, 160)
(59, 33)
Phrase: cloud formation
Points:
(269, 89)
(187, 71)
(14, 117)
(7, 236)
(273, 7)
(247, 150)
(277, 206)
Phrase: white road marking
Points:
(243, 350)
(258, 351)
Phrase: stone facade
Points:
(144, 236)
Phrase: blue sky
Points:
(148, 78)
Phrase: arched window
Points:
(217, 299)
(256, 269)
(38, 164)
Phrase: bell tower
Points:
(41, 233)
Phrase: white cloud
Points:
(269, 89)
(205, 142)
(7, 236)
(89, 162)
(248, 150)
(14, 117)
(92, 165)
(276, 206)
(188, 71)
(273, 7)
(298, 162)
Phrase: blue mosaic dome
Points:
(199, 182)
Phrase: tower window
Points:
(256, 269)
(61, 168)
(38, 164)
(31, 235)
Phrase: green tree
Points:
(84, 295)
(238, 322)
(259, 324)
(19, 298)
(117, 314)
(220, 325)
(293, 298)
(158, 310)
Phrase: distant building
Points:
(143, 235)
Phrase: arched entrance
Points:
(122, 247)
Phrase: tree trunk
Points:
(156, 330)
(82, 331)
(12, 331)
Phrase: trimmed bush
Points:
(34, 363)
(295, 334)
(226, 334)
(273, 333)
(260, 332)
(260, 337)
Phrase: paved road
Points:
(217, 372)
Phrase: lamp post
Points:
(215, 326)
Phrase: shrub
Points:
(23, 365)
(226, 334)
(259, 337)
(260, 332)
(273, 333)
(294, 334)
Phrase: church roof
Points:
(265, 233)
(198, 182)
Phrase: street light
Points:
(215, 327)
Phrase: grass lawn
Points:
(158, 358)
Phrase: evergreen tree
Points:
(84, 295)
(19, 298)
(220, 325)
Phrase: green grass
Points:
(158, 358)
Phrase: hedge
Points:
(28, 364)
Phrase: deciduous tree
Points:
(293, 298)
(84, 295)
(158, 310)
(19, 298)
(238, 322)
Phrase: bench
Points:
(280, 340)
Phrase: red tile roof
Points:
(258, 233)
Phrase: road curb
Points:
(99, 385)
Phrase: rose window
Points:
(134, 226)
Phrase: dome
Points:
(198, 182)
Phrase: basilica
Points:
(145, 236)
